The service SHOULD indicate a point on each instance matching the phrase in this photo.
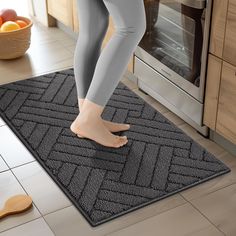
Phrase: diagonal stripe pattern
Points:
(104, 183)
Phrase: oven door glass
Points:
(174, 35)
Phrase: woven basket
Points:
(15, 43)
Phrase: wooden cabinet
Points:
(212, 91)
(226, 115)
(66, 12)
(219, 12)
(61, 10)
(75, 15)
(229, 53)
(220, 94)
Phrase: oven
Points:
(170, 60)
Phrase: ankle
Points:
(87, 115)
(91, 108)
(80, 103)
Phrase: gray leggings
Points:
(98, 72)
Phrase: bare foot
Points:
(115, 127)
(111, 126)
(96, 130)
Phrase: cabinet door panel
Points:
(226, 116)
(61, 10)
(217, 33)
(229, 53)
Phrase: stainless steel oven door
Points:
(176, 42)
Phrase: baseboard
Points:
(226, 144)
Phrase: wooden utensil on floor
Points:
(16, 204)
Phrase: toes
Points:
(123, 140)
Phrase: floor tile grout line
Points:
(62, 208)
(204, 195)
(3, 171)
(38, 217)
(147, 218)
(26, 163)
(49, 225)
(5, 163)
(18, 180)
(203, 215)
(181, 204)
(34, 204)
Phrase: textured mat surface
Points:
(104, 183)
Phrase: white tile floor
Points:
(207, 209)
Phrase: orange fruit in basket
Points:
(9, 26)
(21, 23)
(1, 21)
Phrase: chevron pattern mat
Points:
(103, 182)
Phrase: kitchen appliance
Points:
(170, 60)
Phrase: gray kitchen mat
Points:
(158, 161)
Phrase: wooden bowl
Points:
(14, 44)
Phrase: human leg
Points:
(93, 24)
(130, 23)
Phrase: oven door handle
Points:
(199, 4)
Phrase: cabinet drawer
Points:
(226, 115)
(229, 53)
(61, 10)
